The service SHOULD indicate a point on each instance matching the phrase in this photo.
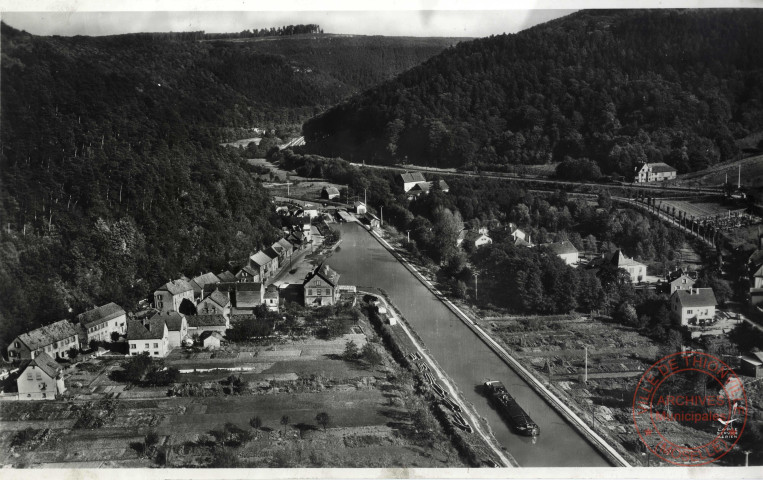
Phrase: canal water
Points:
(362, 261)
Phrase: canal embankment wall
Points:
(601, 445)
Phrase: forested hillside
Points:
(111, 177)
(616, 87)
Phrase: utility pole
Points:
(381, 224)
(747, 458)
(408, 232)
(585, 378)
(476, 274)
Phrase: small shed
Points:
(211, 340)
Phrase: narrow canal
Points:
(469, 362)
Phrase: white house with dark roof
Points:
(654, 172)
(564, 250)
(694, 306)
(40, 378)
(320, 286)
(752, 364)
(169, 296)
(99, 323)
(54, 339)
(272, 298)
(473, 238)
(360, 208)
(410, 180)
(636, 270)
(177, 328)
(216, 302)
(329, 193)
(683, 282)
(150, 336)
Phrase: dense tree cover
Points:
(112, 178)
(616, 87)
(268, 32)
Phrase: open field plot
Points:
(302, 187)
(751, 176)
(374, 415)
(699, 209)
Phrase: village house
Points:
(360, 208)
(564, 250)
(654, 172)
(150, 336)
(274, 264)
(272, 298)
(516, 233)
(202, 323)
(752, 364)
(444, 187)
(170, 295)
(298, 240)
(54, 339)
(198, 283)
(40, 378)
(248, 296)
(370, 220)
(473, 238)
(683, 282)
(283, 248)
(636, 270)
(225, 276)
(99, 323)
(410, 180)
(177, 328)
(216, 302)
(320, 286)
(694, 306)
(259, 268)
(210, 340)
(329, 193)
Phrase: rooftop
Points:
(204, 279)
(153, 330)
(200, 321)
(226, 276)
(174, 321)
(659, 167)
(561, 248)
(219, 298)
(326, 273)
(412, 177)
(618, 259)
(176, 287)
(43, 361)
(696, 297)
(44, 336)
(100, 314)
(260, 258)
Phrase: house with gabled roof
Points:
(636, 270)
(473, 238)
(359, 207)
(682, 282)
(408, 180)
(248, 296)
(274, 263)
(54, 339)
(654, 172)
(210, 340)
(694, 306)
(752, 364)
(272, 298)
(198, 283)
(329, 193)
(226, 276)
(177, 328)
(40, 378)
(249, 273)
(99, 323)
(320, 286)
(212, 323)
(261, 263)
(216, 302)
(564, 250)
(169, 296)
(150, 336)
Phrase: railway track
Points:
(552, 183)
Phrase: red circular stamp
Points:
(689, 408)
